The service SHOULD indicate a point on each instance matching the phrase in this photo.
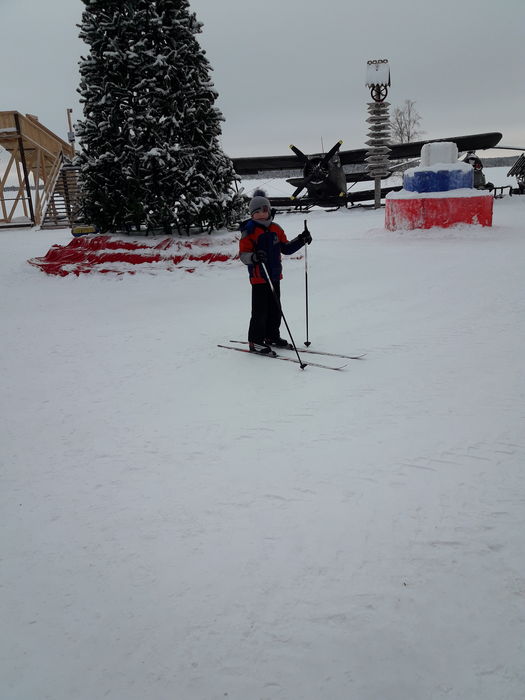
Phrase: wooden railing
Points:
(49, 188)
(63, 206)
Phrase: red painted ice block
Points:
(426, 212)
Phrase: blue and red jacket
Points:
(272, 239)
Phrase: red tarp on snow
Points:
(102, 253)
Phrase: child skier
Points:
(262, 242)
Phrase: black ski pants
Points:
(266, 313)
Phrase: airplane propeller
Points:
(315, 169)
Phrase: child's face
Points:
(261, 214)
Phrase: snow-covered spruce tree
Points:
(112, 190)
(150, 133)
(207, 197)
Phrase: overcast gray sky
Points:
(293, 71)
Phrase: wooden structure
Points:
(62, 210)
(36, 161)
(518, 169)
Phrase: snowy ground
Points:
(182, 522)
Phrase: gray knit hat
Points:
(258, 201)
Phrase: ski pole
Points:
(306, 342)
(278, 302)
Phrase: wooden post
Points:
(377, 193)
(24, 167)
(71, 133)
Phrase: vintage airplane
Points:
(325, 177)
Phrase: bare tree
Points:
(405, 122)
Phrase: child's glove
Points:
(305, 237)
(259, 256)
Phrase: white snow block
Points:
(440, 152)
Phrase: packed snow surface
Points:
(441, 165)
(183, 522)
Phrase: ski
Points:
(312, 352)
(275, 356)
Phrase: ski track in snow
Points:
(182, 522)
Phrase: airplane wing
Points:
(252, 166)
(357, 176)
(255, 165)
(472, 142)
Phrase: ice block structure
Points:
(439, 192)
